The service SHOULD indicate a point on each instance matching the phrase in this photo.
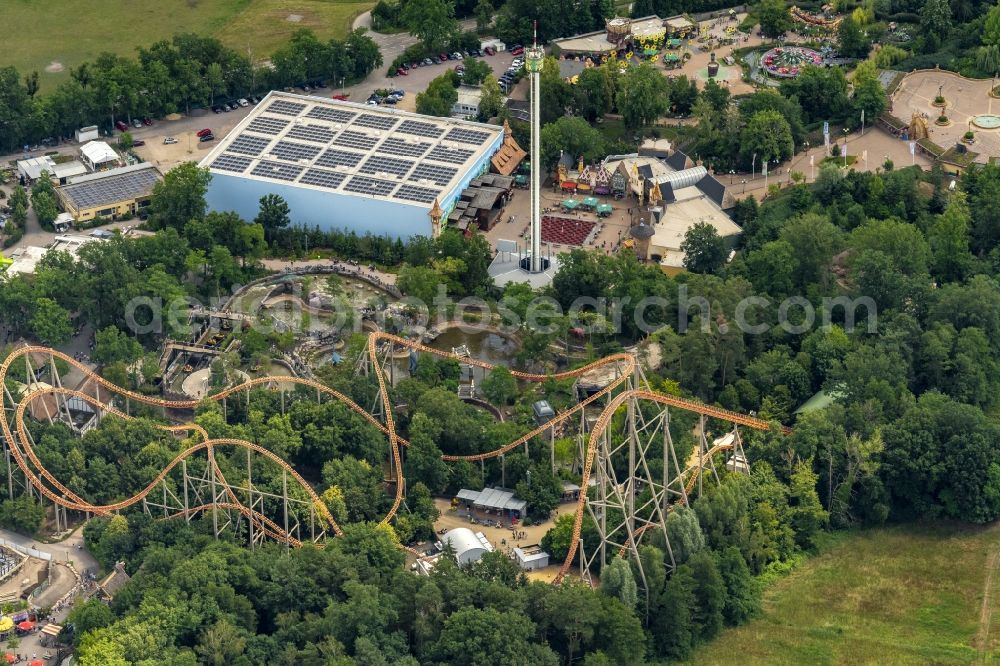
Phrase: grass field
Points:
(60, 34)
(909, 595)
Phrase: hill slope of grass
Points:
(903, 595)
(60, 34)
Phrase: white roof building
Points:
(32, 168)
(97, 154)
(531, 557)
(469, 546)
(26, 259)
(341, 165)
(67, 170)
(467, 105)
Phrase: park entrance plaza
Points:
(967, 100)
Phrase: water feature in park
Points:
(986, 121)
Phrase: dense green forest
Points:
(910, 436)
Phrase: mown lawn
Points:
(902, 595)
(68, 32)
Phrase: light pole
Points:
(744, 181)
(845, 146)
(753, 163)
(732, 175)
(341, 85)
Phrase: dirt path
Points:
(986, 611)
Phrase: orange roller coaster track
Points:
(19, 441)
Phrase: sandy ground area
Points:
(24, 577)
(965, 98)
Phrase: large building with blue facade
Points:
(341, 165)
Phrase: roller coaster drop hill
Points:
(615, 499)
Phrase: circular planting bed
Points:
(786, 62)
(986, 121)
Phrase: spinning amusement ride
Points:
(628, 501)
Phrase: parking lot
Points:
(185, 128)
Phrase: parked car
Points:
(399, 93)
(217, 109)
(138, 142)
(204, 132)
(243, 102)
(136, 123)
(402, 72)
(147, 122)
(456, 56)
(490, 51)
(436, 60)
(517, 50)
(121, 126)
(428, 61)
(342, 98)
(390, 100)
(206, 138)
(169, 140)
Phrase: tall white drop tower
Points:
(534, 58)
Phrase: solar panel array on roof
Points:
(289, 150)
(452, 155)
(309, 132)
(111, 189)
(286, 108)
(463, 135)
(440, 175)
(277, 170)
(373, 121)
(343, 147)
(267, 125)
(396, 146)
(356, 140)
(333, 157)
(366, 185)
(429, 130)
(379, 164)
(228, 162)
(323, 178)
(333, 115)
(247, 144)
(418, 194)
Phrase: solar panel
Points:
(266, 125)
(418, 194)
(440, 175)
(429, 130)
(375, 122)
(334, 157)
(463, 135)
(333, 115)
(111, 189)
(286, 108)
(289, 150)
(277, 170)
(322, 178)
(355, 140)
(451, 155)
(228, 162)
(247, 144)
(317, 133)
(366, 185)
(393, 145)
(379, 164)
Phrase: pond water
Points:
(483, 345)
